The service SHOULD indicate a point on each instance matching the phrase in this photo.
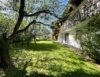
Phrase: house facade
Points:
(77, 18)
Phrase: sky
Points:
(2, 3)
(63, 2)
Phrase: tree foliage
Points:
(6, 25)
(89, 38)
(24, 14)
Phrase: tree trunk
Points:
(4, 53)
(34, 37)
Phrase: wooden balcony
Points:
(84, 11)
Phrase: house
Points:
(48, 36)
(76, 16)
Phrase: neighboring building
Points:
(69, 26)
(48, 36)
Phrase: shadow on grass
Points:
(35, 47)
(79, 73)
(53, 68)
(55, 64)
(14, 72)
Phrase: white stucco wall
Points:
(60, 38)
(70, 40)
(73, 42)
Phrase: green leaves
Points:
(6, 25)
(90, 37)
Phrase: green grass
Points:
(47, 59)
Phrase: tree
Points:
(23, 9)
(89, 38)
(6, 25)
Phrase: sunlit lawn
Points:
(47, 59)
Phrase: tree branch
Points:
(39, 12)
(20, 18)
(33, 22)
(42, 23)
(27, 26)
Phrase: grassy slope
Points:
(47, 59)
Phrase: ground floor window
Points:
(66, 37)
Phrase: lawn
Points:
(48, 59)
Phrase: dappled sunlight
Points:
(62, 62)
(39, 46)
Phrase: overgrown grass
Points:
(47, 59)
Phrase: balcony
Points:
(87, 10)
